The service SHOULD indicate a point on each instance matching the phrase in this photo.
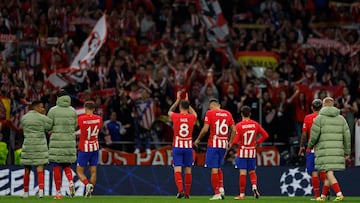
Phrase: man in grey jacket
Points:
(330, 135)
(62, 145)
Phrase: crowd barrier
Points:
(158, 180)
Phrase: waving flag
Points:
(145, 112)
(17, 114)
(79, 65)
(217, 29)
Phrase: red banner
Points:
(161, 157)
(268, 156)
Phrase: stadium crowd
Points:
(155, 48)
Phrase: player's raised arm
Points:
(191, 110)
(175, 104)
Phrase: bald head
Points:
(328, 101)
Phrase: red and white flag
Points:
(217, 29)
(87, 52)
(145, 112)
(17, 114)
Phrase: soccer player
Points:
(183, 125)
(310, 156)
(246, 138)
(62, 144)
(88, 148)
(330, 135)
(219, 121)
(34, 149)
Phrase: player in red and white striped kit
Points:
(246, 139)
(221, 124)
(183, 123)
(88, 148)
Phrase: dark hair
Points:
(89, 105)
(185, 104)
(246, 111)
(62, 92)
(316, 104)
(35, 103)
(213, 100)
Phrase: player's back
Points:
(219, 121)
(183, 125)
(246, 136)
(246, 133)
(90, 126)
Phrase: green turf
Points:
(158, 199)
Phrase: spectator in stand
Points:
(144, 116)
(301, 107)
(62, 145)
(113, 131)
(34, 149)
(250, 98)
(5, 110)
(348, 109)
(231, 103)
(207, 92)
(284, 116)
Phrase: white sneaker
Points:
(89, 189)
(25, 195)
(222, 192)
(137, 151)
(216, 197)
(41, 193)
(148, 151)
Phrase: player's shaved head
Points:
(328, 101)
(214, 103)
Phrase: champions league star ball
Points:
(295, 182)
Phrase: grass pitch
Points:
(158, 199)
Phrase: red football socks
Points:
(41, 179)
(253, 178)
(68, 173)
(221, 179)
(215, 182)
(179, 181)
(336, 188)
(188, 181)
(242, 183)
(85, 181)
(316, 185)
(57, 177)
(323, 176)
(26, 181)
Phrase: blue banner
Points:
(159, 180)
